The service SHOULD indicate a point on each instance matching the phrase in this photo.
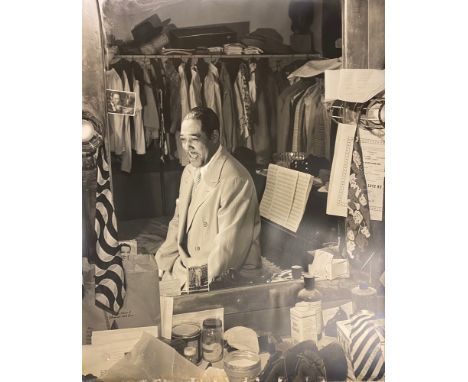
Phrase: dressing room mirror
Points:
(145, 115)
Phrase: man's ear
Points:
(215, 136)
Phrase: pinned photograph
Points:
(198, 278)
(120, 102)
(127, 248)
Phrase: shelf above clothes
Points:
(217, 55)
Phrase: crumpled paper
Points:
(242, 338)
(152, 358)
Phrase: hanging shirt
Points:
(229, 136)
(184, 109)
(184, 91)
(138, 138)
(195, 89)
(150, 110)
(126, 142)
(213, 94)
(285, 106)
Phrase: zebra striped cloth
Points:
(365, 349)
(109, 272)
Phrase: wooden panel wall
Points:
(364, 34)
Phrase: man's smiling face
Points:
(196, 143)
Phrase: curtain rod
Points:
(143, 56)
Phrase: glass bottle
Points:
(212, 340)
(313, 298)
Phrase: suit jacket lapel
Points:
(207, 185)
(184, 201)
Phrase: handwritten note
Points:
(285, 197)
(353, 85)
(337, 201)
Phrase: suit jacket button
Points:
(205, 224)
(197, 248)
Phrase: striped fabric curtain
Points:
(109, 272)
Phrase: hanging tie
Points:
(358, 220)
(109, 272)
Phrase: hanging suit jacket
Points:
(224, 228)
(229, 136)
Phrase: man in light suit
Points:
(216, 220)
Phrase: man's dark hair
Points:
(207, 117)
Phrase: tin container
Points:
(242, 366)
(189, 333)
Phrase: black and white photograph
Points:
(120, 102)
(250, 174)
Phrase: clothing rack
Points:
(217, 55)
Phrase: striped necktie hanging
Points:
(365, 349)
(109, 272)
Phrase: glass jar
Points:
(212, 340)
(242, 366)
(189, 333)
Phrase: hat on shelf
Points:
(267, 39)
(149, 28)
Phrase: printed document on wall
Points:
(353, 85)
(373, 152)
(337, 201)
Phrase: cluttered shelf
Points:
(217, 55)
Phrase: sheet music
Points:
(285, 197)
(353, 85)
(373, 153)
(337, 201)
(303, 187)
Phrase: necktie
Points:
(196, 178)
(365, 349)
(358, 219)
(109, 272)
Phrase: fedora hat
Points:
(149, 28)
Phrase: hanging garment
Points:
(260, 116)
(271, 101)
(212, 94)
(298, 131)
(138, 137)
(174, 96)
(243, 107)
(358, 220)
(162, 89)
(116, 121)
(184, 91)
(365, 349)
(309, 126)
(109, 272)
(318, 143)
(284, 114)
(126, 144)
(150, 110)
(195, 90)
(184, 109)
(229, 136)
